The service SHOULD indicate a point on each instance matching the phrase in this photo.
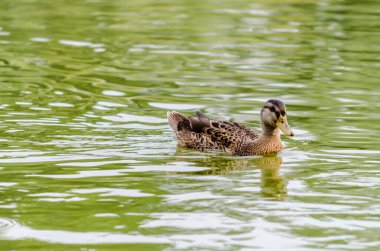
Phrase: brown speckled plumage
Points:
(202, 133)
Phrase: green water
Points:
(88, 162)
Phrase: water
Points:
(88, 161)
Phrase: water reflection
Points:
(272, 184)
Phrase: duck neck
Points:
(270, 136)
(269, 141)
(269, 131)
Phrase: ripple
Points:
(40, 109)
(199, 53)
(113, 192)
(7, 224)
(81, 174)
(106, 215)
(80, 43)
(61, 104)
(21, 153)
(70, 237)
(256, 12)
(113, 93)
(186, 197)
(7, 184)
(72, 199)
(174, 167)
(9, 206)
(110, 104)
(99, 163)
(56, 197)
(49, 195)
(218, 222)
(40, 39)
(23, 103)
(53, 158)
(175, 106)
(123, 117)
(352, 151)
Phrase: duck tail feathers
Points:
(174, 119)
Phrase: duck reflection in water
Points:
(272, 184)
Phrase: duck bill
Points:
(284, 127)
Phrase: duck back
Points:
(200, 132)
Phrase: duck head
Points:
(273, 116)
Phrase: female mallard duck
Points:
(202, 133)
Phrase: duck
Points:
(202, 133)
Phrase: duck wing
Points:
(202, 133)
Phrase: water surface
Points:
(88, 161)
